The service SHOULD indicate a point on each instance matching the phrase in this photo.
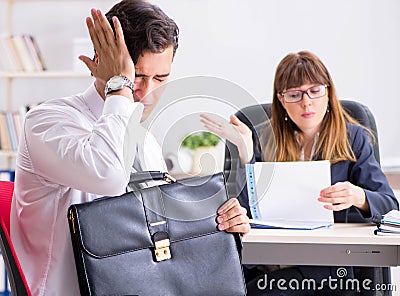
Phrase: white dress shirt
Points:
(71, 151)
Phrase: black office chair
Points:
(256, 117)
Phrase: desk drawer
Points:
(321, 254)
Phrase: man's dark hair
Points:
(146, 27)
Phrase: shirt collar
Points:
(93, 100)
(302, 149)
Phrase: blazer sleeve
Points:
(367, 174)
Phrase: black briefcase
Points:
(161, 240)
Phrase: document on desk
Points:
(284, 194)
(390, 224)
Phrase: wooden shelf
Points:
(45, 74)
(8, 153)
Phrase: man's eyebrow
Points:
(157, 75)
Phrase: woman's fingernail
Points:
(220, 219)
(221, 226)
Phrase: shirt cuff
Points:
(119, 105)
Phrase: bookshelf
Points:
(8, 78)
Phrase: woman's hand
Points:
(232, 217)
(112, 56)
(343, 195)
(235, 132)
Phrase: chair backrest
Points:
(255, 116)
(19, 286)
(6, 193)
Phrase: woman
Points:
(309, 123)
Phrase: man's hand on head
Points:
(112, 56)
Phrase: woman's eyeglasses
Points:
(314, 92)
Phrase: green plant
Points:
(203, 139)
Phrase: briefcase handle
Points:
(146, 176)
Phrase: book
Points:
(34, 51)
(5, 143)
(8, 56)
(20, 53)
(16, 115)
(23, 53)
(6, 62)
(7, 175)
(11, 131)
(284, 194)
(39, 53)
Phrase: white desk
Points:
(340, 245)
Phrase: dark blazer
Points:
(367, 174)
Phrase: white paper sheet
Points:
(284, 194)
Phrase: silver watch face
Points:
(116, 82)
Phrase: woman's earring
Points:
(327, 109)
(286, 117)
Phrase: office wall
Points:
(243, 41)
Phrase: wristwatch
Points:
(116, 83)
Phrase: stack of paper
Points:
(390, 223)
(284, 194)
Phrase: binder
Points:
(7, 175)
(284, 194)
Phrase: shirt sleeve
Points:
(64, 148)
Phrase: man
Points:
(72, 149)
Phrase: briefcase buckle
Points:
(169, 178)
(161, 250)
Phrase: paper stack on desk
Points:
(390, 223)
(284, 194)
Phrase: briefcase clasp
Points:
(161, 250)
(169, 179)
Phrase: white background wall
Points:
(243, 41)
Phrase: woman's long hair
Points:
(293, 71)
